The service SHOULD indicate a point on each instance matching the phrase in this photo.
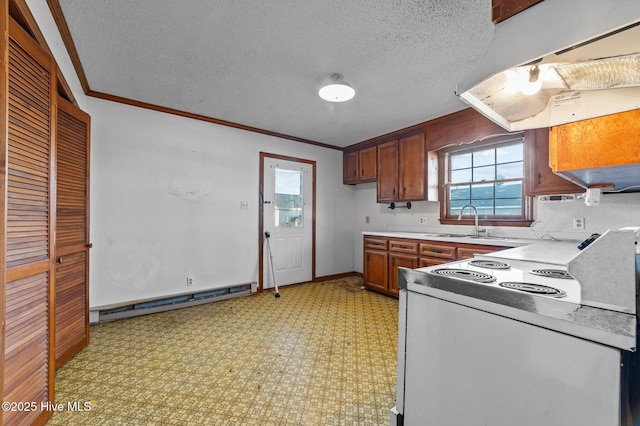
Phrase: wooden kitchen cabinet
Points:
(367, 159)
(424, 262)
(350, 168)
(469, 250)
(402, 170)
(412, 177)
(402, 253)
(397, 260)
(360, 166)
(441, 250)
(388, 172)
(383, 256)
(600, 152)
(376, 269)
(540, 178)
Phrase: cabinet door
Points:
(540, 178)
(367, 159)
(388, 172)
(376, 269)
(350, 168)
(72, 232)
(396, 261)
(412, 168)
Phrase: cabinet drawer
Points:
(405, 246)
(468, 252)
(431, 261)
(438, 250)
(375, 243)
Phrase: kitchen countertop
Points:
(545, 251)
(455, 238)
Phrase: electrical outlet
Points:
(423, 220)
(578, 223)
(190, 281)
(244, 205)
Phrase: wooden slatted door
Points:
(27, 356)
(72, 231)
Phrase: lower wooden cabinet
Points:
(472, 249)
(396, 261)
(376, 269)
(383, 256)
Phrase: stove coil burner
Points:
(489, 264)
(534, 288)
(465, 275)
(552, 273)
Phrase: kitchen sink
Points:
(481, 237)
(447, 235)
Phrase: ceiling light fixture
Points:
(336, 89)
(534, 83)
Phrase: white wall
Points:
(165, 203)
(166, 192)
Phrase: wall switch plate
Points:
(190, 281)
(578, 223)
(244, 205)
(366, 219)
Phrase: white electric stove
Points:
(506, 339)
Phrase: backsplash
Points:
(553, 220)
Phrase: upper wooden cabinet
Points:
(350, 168)
(412, 177)
(601, 152)
(504, 9)
(540, 179)
(402, 169)
(360, 166)
(388, 172)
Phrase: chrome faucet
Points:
(475, 212)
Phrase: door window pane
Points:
(288, 198)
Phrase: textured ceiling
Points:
(261, 63)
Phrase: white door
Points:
(287, 218)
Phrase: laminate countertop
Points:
(544, 251)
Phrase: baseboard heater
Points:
(112, 313)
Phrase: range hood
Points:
(595, 77)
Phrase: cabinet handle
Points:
(436, 251)
(539, 178)
(59, 260)
(403, 247)
(393, 191)
(393, 261)
(362, 172)
(404, 190)
(367, 258)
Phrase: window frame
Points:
(526, 219)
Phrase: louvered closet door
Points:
(72, 231)
(27, 369)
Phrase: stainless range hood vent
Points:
(591, 79)
(607, 73)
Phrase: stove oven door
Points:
(463, 366)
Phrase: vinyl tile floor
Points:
(321, 354)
